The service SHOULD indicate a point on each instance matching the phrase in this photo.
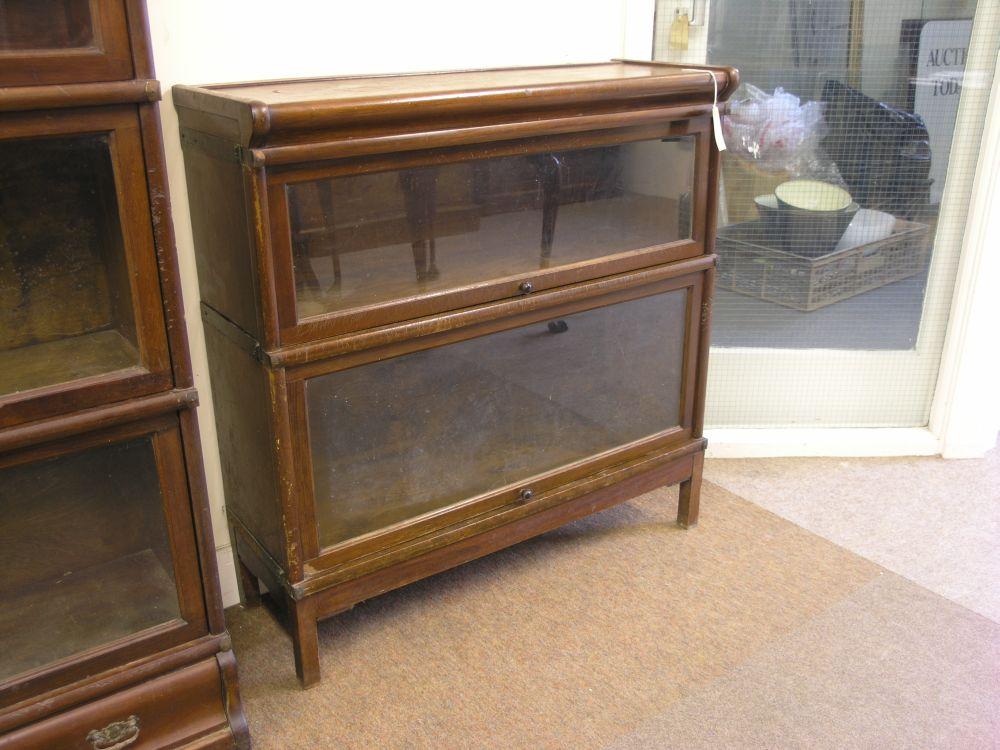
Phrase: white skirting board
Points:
(227, 575)
(767, 442)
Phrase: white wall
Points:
(228, 40)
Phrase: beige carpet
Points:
(623, 631)
(934, 521)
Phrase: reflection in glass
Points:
(45, 25)
(65, 300)
(367, 238)
(397, 438)
(84, 554)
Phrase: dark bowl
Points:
(769, 213)
(812, 234)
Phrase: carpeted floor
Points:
(934, 521)
(622, 631)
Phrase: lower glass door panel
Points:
(85, 554)
(401, 437)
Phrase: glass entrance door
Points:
(853, 145)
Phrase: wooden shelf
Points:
(84, 609)
(64, 360)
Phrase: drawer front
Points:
(177, 710)
(369, 242)
(412, 435)
(63, 41)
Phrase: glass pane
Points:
(882, 103)
(367, 238)
(45, 24)
(84, 553)
(398, 438)
(65, 302)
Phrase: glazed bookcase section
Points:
(400, 435)
(336, 205)
(386, 437)
(78, 267)
(98, 554)
(63, 41)
(363, 239)
(447, 312)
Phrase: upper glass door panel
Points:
(79, 296)
(35, 25)
(64, 279)
(62, 41)
(366, 239)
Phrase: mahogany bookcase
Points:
(446, 312)
(111, 630)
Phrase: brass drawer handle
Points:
(116, 735)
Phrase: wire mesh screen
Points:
(852, 152)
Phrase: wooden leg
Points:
(249, 585)
(305, 641)
(690, 494)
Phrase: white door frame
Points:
(965, 410)
(965, 414)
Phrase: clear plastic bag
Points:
(778, 133)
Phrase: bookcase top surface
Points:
(269, 112)
(514, 80)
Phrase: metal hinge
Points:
(217, 148)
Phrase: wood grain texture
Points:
(241, 396)
(285, 110)
(85, 609)
(65, 359)
(177, 710)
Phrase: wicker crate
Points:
(748, 265)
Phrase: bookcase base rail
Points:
(302, 606)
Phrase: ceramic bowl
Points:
(769, 212)
(814, 233)
(812, 195)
